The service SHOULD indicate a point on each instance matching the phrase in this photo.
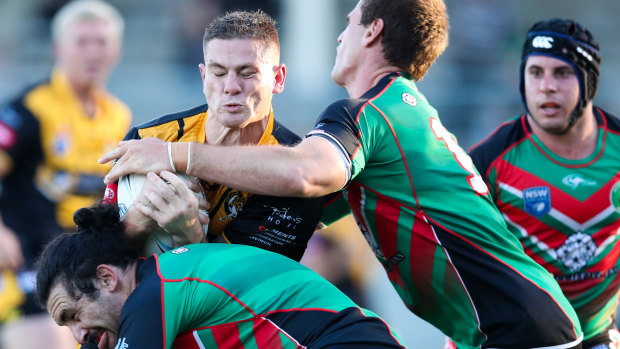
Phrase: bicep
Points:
(330, 166)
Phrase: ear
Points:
(373, 32)
(203, 71)
(280, 76)
(107, 277)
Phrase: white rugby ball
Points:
(129, 187)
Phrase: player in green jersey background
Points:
(554, 173)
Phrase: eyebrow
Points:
(236, 68)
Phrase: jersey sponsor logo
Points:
(280, 216)
(122, 344)
(575, 181)
(577, 250)
(409, 99)
(543, 42)
(180, 250)
(537, 201)
(8, 137)
(614, 196)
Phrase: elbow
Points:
(301, 183)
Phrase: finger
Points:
(179, 185)
(157, 202)
(147, 210)
(203, 204)
(160, 186)
(119, 169)
(112, 154)
(203, 217)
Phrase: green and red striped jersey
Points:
(241, 297)
(566, 213)
(427, 215)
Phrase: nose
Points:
(231, 84)
(80, 334)
(548, 83)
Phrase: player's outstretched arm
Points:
(137, 156)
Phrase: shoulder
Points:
(167, 127)
(174, 117)
(498, 142)
(612, 121)
(284, 135)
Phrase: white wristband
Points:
(189, 157)
(170, 157)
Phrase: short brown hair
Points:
(256, 25)
(415, 32)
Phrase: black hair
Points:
(73, 258)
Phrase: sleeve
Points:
(19, 130)
(336, 207)
(338, 124)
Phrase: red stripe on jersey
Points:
(545, 233)
(162, 302)
(354, 197)
(227, 336)
(267, 335)
(186, 341)
(423, 246)
(561, 201)
(386, 219)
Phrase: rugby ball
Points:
(129, 188)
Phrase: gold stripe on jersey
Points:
(72, 141)
(225, 202)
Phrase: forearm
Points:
(267, 170)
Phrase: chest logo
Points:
(576, 251)
(614, 196)
(409, 99)
(575, 181)
(180, 250)
(537, 201)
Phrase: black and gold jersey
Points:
(279, 224)
(50, 147)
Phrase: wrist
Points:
(180, 156)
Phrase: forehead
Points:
(234, 51)
(59, 301)
(546, 62)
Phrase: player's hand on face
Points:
(173, 206)
(137, 156)
(11, 256)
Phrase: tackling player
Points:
(196, 296)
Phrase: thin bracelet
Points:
(170, 157)
(189, 157)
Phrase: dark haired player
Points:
(554, 174)
(195, 296)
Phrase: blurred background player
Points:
(554, 173)
(195, 296)
(414, 192)
(241, 73)
(50, 138)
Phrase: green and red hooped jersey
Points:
(427, 214)
(239, 297)
(565, 212)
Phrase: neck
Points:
(86, 95)
(577, 143)
(218, 134)
(364, 81)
